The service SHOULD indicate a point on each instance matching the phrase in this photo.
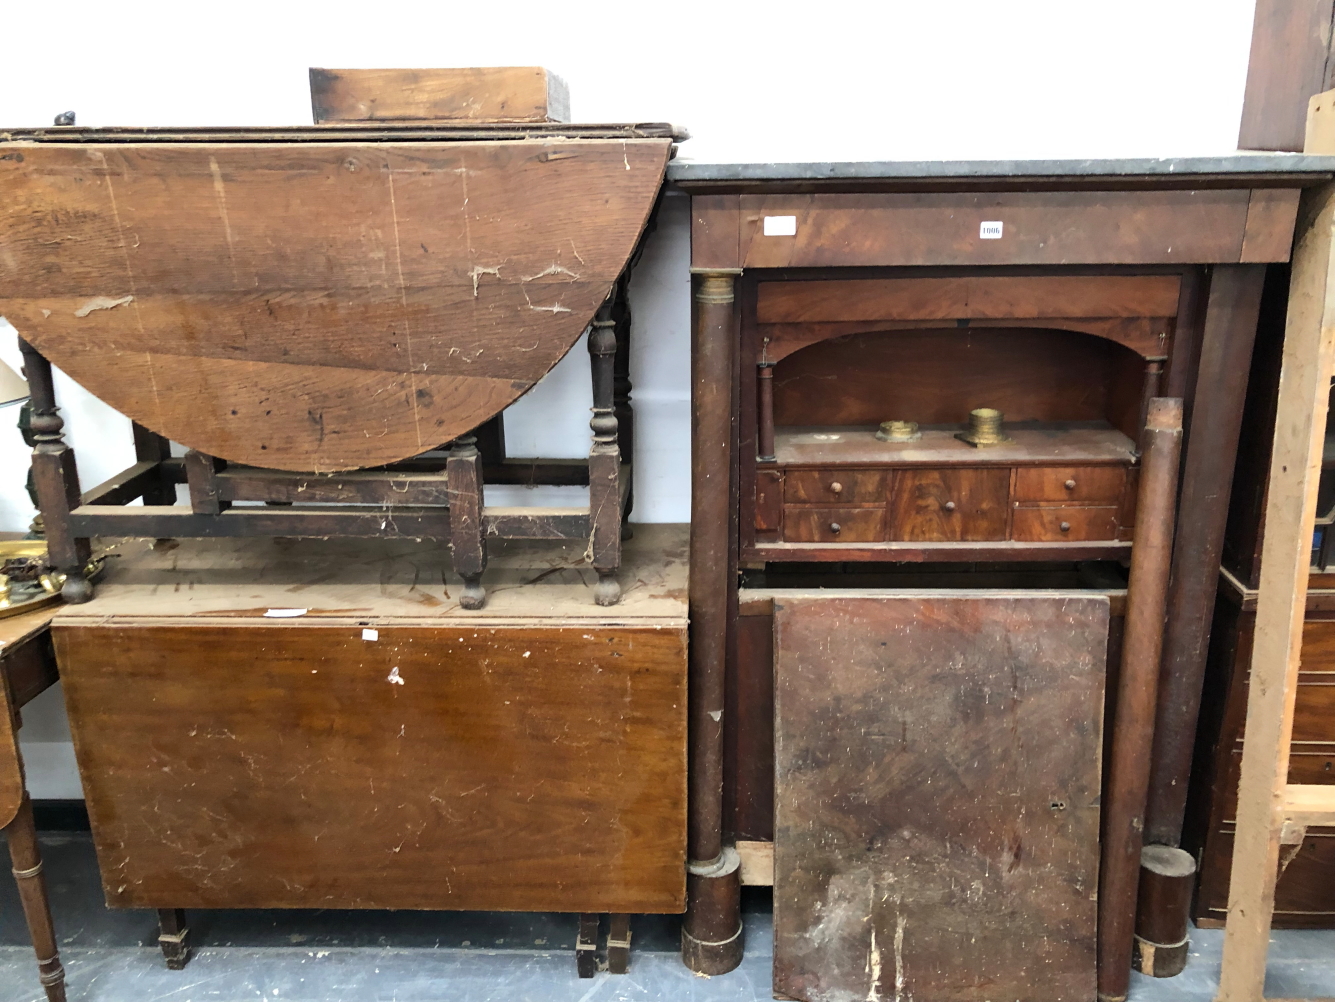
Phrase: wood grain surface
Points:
(475, 93)
(502, 768)
(937, 794)
(316, 306)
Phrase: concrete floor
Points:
(317, 956)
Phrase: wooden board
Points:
(316, 306)
(1202, 226)
(239, 765)
(1290, 61)
(937, 794)
(472, 94)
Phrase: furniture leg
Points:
(618, 944)
(463, 473)
(27, 863)
(1232, 310)
(604, 462)
(150, 447)
(1133, 719)
(711, 935)
(174, 937)
(201, 475)
(56, 477)
(621, 387)
(586, 946)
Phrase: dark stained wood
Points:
(150, 447)
(1163, 903)
(479, 94)
(317, 307)
(569, 741)
(749, 726)
(606, 497)
(26, 861)
(468, 538)
(949, 505)
(834, 486)
(1269, 233)
(712, 894)
(1029, 524)
(769, 501)
(714, 232)
(1085, 484)
(937, 377)
(201, 476)
(586, 945)
(979, 297)
(1137, 684)
(1201, 226)
(618, 944)
(174, 938)
(1290, 61)
(937, 822)
(1207, 476)
(249, 483)
(931, 551)
(833, 525)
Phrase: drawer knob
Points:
(834, 528)
(950, 506)
(1070, 485)
(837, 487)
(1065, 527)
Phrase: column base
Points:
(711, 936)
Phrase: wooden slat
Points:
(1307, 804)
(477, 94)
(1309, 350)
(1054, 228)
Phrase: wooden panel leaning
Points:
(475, 94)
(1264, 796)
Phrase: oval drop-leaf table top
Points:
(316, 306)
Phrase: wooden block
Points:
(454, 94)
(1321, 124)
(757, 863)
(1290, 61)
(937, 772)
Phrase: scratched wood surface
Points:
(529, 757)
(937, 785)
(26, 668)
(316, 306)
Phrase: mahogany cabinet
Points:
(833, 299)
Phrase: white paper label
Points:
(989, 231)
(370, 634)
(780, 226)
(284, 613)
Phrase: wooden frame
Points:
(435, 496)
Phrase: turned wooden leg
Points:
(604, 462)
(586, 946)
(621, 387)
(27, 862)
(174, 937)
(56, 478)
(463, 472)
(618, 945)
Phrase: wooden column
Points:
(765, 418)
(56, 477)
(1133, 719)
(27, 864)
(463, 475)
(1207, 477)
(1295, 473)
(711, 936)
(604, 461)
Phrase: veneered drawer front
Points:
(834, 486)
(1063, 524)
(949, 504)
(1090, 484)
(833, 525)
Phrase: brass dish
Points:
(27, 581)
(899, 431)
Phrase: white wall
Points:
(896, 79)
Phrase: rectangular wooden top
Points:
(351, 581)
(353, 132)
(14, 630)
(1065, 445)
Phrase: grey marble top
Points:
(684, 171)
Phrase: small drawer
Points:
(1088, 484)
(834, 486)
(1063, 524)
(950, 505)
(833, 525)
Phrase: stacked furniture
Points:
(922, 737)
(331, 320)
